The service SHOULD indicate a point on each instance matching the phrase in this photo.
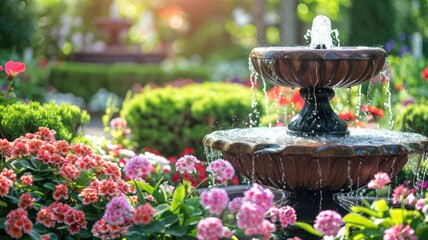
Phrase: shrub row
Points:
(413, 118)
(169, 119)
(84, 80)
(18, 119)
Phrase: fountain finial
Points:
(321, 33)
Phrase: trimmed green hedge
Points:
(170, 119)
(84, 79)
(413, 118)
(19, 118)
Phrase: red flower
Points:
(13, 68)
(372, 110)
(347, 116)
(143, 214)
(285, 96)
(424, 74)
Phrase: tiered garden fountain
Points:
(317, 155)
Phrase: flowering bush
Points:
(51, 189)
(405, 219)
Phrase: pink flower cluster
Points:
(106, 231)
(235, 204)
(186, 164)
(380, 180)
(62, 213)
(212, 228)
(117, 211)
(251, 214)
(328, 222)
(137, 167)
(26, 201)
(222, 170)
(61, 191)
(286, 215)
(215, 200)
(399, 233)
(17, 222)
(143, 214)
(106, 189)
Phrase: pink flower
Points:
(222, 170)
(399, 233)
(263, 229)
(27, 180)
(26, 201)
(186, 164)
(13, 68)
(235, 204)
(287, 216)
(380, 180)
(212, 228)
(399, 194)
(328, 222)
(143, 214)
(118, 122)
(250, 215)
(215, 199)
(106, 231)
(420, 204)
(117, 211)
(61, 191)
(261, 197)
(89, 195)
(17, 222)
(137, 167)
(5, 184)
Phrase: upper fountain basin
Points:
(304, 67)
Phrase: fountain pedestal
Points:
(317, 118)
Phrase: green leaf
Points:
(170, 220)
(83, 179)
(50, 186)
(152, 227)
(161, 209)
(380, 206)
(358, 221)
(422, 232)
(370, 212)
(3, 203)
(176, 230)
(2, 220)
(36, 163)
(85, 234)
(308, 228)
(145, 186)
(26, 164)
(177, 199)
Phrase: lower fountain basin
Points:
(275, 159)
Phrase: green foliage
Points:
(170, 119)
(18, 119)
(16, 24)
(117, 78)
(372, 22)
(413, 118)
(406, 75)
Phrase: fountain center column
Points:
(317, 118)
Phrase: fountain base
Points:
(317, 118)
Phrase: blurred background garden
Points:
(167, 66)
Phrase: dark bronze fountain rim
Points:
(339, 53)
(218, 141)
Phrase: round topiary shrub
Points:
(20, 118)
(413, 118)
(170, 119)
